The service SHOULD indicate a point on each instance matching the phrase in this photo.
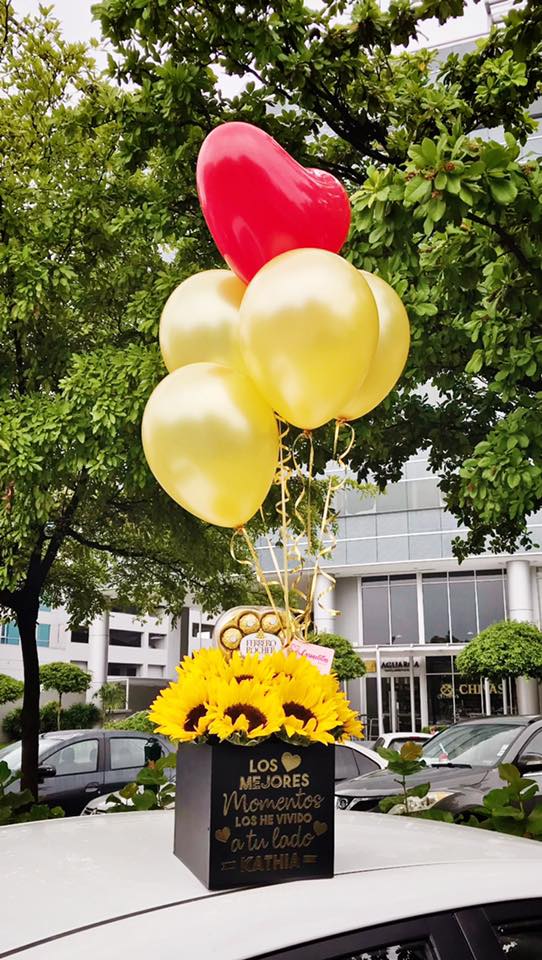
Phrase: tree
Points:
(10, 689)
(112, 697)
(505, 649)
(347, 664)
(451, 219)
(82, 281)
(64, 678)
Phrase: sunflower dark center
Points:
(244, 676)
(296, 710)
(194, 716)
(254, 716)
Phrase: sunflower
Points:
(249, 667)
(244, 710)
(290, 665)
(348, 719)
(181, 711)
(206, 663)
(308, 714)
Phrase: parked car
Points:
(352, 759)
(110, 886)
(76, 765)
(463, 763)
(394, 741)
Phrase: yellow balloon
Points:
(200, 321)
(391, 352)
(211, 441)
(309, 329)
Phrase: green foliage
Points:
(151, 790)
(505, 649)
(506, 809)
(406, 762)
(19, 806)
(137, 721)
(509, 809)
(10, 689)
(347, 664)
(112, 697)
(64, 678)
(80, 716)
(49, 717)
(452, 220)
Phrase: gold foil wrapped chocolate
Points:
(255, 630)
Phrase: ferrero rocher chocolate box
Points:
(255, 815)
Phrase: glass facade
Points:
(456, 606)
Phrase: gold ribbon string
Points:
(253, 563)
(326, 525)
(293, 563)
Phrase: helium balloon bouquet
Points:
(292, 330)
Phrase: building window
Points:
(376, 619)
(462, 589)
(490, 594)
(390, 610)
(43, 634)
(120, 607)
(82, 664)
(124, 638)
(460, 604)
(404, 610)
(79, 635)
(9, 633)
(157, 641)
(122, 669)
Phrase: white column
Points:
(98, 649)
(379, 693)
(487, 697)
(393, 705)
(412, 694)
(520, 607)
(424, 703)
(324, 603)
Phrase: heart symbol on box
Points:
(259, 202)
(290, 761)
(223, 835)
(319, 828)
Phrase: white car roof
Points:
(109, 885)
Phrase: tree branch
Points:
(129, 554)
(510, 244)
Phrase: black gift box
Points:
(246, 816)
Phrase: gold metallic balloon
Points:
(211, 441)
(309, 329)
(200, 321)
(391, 352)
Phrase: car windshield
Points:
(472, 744)
(12, 753)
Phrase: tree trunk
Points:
(27, 616)
(58, 711)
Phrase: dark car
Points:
(463, 764)
(77, 765)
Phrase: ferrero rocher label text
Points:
(272, 813)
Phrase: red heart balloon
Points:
(259, 202)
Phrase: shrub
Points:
(80, 716)
(505, 649)
(48, 717)
(137, 721)
(64, 678)
(10, 689)
(11, 724)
